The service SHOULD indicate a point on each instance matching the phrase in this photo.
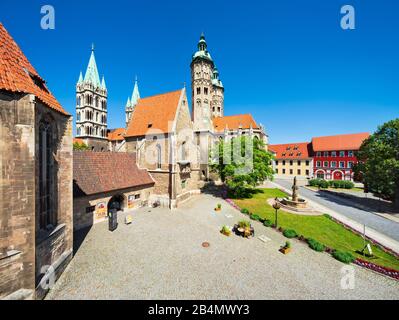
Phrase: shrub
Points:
(324, 184)
(344, 257)
(316, 246)
(225, 230)
(289, 233)
(255, 217)
(288, 244)
(245, 211)
(244, 224)
(219, 206)
(268, 223)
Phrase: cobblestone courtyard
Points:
(160, 256)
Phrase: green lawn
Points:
(320, 228)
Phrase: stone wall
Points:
(54, 247)
(23, 248)
(17, 195)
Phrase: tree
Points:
(379, 162)
(242, 163)
(80, 146)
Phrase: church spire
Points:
(80, 78)
(103, 85)
(136, 94)
(91, 75)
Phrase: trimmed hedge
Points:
(315, 245)
(289, 233)
(245, 211)
(337, 184)
(254, 217)
(344, 257)
(268, 223)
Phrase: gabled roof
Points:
(155, 113)
(98, 172)
(339, 142)
(18, 75)
(243, 121)
(116, 134)
(288, 151)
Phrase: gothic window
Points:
(159, 157)
(183, 151)
(96, 116)
(97, 105)
(79, 101)
(47, 173)
(205, 90)
(78, 116)
(79, 131)
(198, 90)
(87, 130)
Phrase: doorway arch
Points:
(116, 202)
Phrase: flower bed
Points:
(385, 271)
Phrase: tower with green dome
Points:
(207, 88)
(91, 107)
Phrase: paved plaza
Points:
(160, 256)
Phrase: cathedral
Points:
(168, 139)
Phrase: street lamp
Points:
(276, 206)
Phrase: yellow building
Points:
(292, 160)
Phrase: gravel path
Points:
(385, 226)
(160, 256)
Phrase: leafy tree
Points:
(379, 162)
(80, 146)
(242, 163)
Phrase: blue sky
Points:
(287, 62)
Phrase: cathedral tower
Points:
(217, 102)
(91, 108)
(201, 85)
(132, 102)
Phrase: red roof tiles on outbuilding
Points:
(99, 172)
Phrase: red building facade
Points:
(334, 156)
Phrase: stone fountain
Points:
(295, 202)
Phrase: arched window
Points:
(79, 131)
(97, 106)
(78, 116)
(79, 101)
(183, 151)
(96, 116)
(47, 212)
(159, 157)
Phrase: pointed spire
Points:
(128, 103)
(80, 78)
(136, 94)
(91, 75)
(103, 85)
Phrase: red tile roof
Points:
(300, 150)
(154, 113)
(339, 142)
(234, 122)
(18, 75)
(116, 134)
(99, 172)
(78, 140)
